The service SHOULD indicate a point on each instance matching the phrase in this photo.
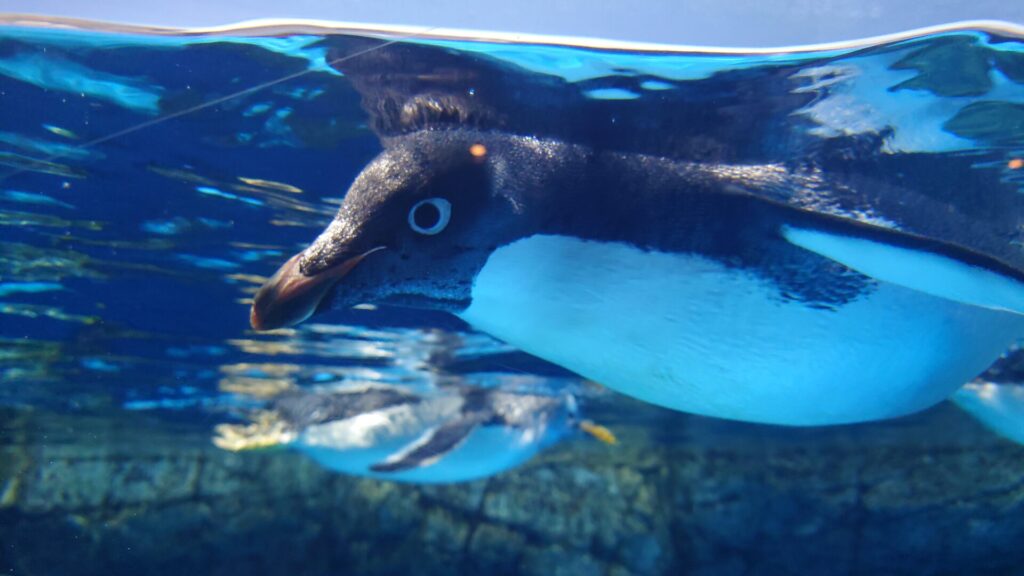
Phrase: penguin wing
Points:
(920, 263)
(430, 447)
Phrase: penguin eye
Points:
(430, 216)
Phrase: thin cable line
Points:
(204, 105)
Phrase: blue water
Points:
(149, 184)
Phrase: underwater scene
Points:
(302, 298)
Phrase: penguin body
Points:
(699, 273)
(682, 284)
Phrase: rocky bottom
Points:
(928, 495)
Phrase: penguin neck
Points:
(610, 196)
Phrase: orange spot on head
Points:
(1015, 164)
(478, 150)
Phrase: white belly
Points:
(685, 332)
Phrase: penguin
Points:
(453, 434)
(727, 284)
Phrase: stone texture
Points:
(930, 495)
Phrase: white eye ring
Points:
(444, 214)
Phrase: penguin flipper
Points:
(430, 447)
(916, 262)
(998, 406)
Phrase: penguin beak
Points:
(290, 297)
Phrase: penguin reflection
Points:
(451, 434)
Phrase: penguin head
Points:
(414, 228)
(576, 423)
(559, 416)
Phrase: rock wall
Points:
(930, 495)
